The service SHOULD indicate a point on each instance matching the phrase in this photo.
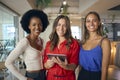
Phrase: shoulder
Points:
(106, 42)
(23, 41)
(48, 43)
(75, 42)
(47, 46)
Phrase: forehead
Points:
(91, 16)
(62, 20)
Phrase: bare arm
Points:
(106, 49)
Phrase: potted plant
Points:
(41, 4)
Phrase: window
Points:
(8, 32)
(76, 32)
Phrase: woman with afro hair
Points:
(33, 22)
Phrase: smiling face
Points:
(61, 28)
(92, 23)
(35, 26)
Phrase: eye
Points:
(34, 24)
(95, 20)
(58, 24)
(87, 21)
(40, 25)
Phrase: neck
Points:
(32, 37)
(93, 35)
(61, 39)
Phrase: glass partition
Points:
(7, 33)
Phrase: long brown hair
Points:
(86, 34)
(54, 37)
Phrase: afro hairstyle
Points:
(25, 20)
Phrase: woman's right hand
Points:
(50, 62)
(30, 79)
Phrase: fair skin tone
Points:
(60, 30)
(35, 27)
(92, 24)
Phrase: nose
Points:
(61, 27)
(91, 22)
(37, 26)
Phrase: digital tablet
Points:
(61, 56)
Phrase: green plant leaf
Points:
(42, 3)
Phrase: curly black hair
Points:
(25, 20)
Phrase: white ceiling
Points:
(77, 8)
(20, 6)
(102, 6)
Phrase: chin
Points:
(61, 35)
(92, 30)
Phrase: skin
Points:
(35, 27)
(60, 30)
(92, 24)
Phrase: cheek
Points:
(97, 25)
(87, 28)
(65, 30)
(29, 28)
(86, 24)
(41, 28)
(57, 28)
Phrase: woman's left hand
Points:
(62, 64)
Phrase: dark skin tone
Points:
(35, 27)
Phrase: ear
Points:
(28, 27)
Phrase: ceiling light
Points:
(64, 2)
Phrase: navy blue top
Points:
(91, 60)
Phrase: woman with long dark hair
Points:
(61, 43)
(95, 50)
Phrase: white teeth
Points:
(37, 31)
(91, 26)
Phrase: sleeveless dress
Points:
(91, 62)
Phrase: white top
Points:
(31, 56)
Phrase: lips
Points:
(61, 32)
